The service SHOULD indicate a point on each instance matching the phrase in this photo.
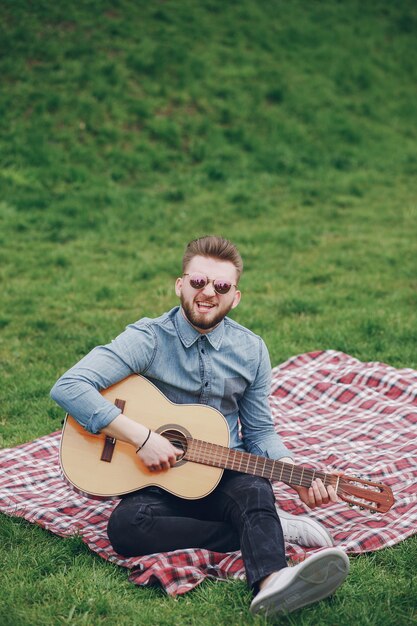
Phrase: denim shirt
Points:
(228, 369)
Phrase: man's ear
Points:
(178, 285)
(236, 299)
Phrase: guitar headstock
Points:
(365, 494)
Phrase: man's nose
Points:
(209, 289)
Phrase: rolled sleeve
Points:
(78, 390)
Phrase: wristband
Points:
(140, 447)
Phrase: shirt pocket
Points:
(233, 390)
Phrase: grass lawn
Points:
(129, 127)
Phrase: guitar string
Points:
(244, 462)
(216, 455)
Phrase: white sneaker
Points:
(294, 587)
(304, 530)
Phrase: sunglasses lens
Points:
(198, 281)
(222, 286)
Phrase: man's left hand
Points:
(317, 494)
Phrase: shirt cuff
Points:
(102, 418)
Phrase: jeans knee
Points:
(128, 530)
(249, 494)
(260, 496)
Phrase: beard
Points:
(200, 321)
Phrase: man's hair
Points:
(216, 248)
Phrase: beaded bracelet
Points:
(140, 447)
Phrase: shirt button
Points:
(203, 351)
(205, 384)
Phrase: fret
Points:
(308, 477)
(275, 466)
(285, 472)
(232, 460)
(240, 461)
(243, 462)
(227, 458)
(218, 455)
(197, 449)
(221, 456)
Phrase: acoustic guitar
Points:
(101, 467)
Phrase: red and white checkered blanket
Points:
(335, 412)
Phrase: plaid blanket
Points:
(334, 411)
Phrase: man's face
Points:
(205, 308)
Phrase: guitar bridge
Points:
(108, 449)
(110, 442)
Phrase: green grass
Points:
(128, 128)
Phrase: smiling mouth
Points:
(205, 306)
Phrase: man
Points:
(196, 354)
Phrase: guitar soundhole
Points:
(178, 437)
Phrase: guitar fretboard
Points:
(226, 458)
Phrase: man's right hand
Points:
(158, 453)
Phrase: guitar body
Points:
(81, 451)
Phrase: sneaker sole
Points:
(318, 579)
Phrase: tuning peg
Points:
(351, 505)
(361, 508)
(373, 512)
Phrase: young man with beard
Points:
(196, 354)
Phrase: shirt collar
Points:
(189, 335)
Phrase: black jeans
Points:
(239, 514)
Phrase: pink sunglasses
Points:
(199, 281)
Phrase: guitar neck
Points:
(226, 458)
